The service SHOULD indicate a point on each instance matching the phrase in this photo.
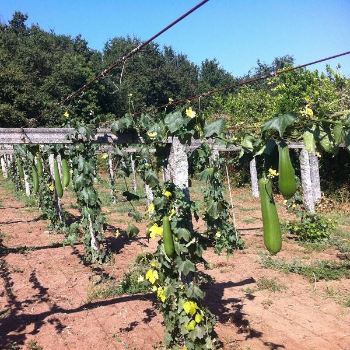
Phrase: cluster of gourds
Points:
(287, 187)
(37, 171)
(65, 175)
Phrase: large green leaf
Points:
(279, 123)
(186, 266)
(214, 128)
(174, 121)
(339, 135)
(151, 179)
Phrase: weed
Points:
(264, 283)
(33, 345)
(321, 270)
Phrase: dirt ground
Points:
(44, 291)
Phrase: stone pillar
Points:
(306, 181)
(315, 176)
(254, 178)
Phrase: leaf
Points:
(248, 142)
(183, 233)
(205, 174)
(309, 141)
(135, 215)
(186, 266)
(279, 123)
(174, 121)
(270, 145)
(339, 135)
(214, 128)
(151, 179)
(132, 231)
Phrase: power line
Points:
(246, 82)
(120, 60)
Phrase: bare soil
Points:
(44, 291)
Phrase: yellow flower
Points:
(190, 307)
(140, 279)
(155, 231)
(130, 95)
(191, 325)
(152, 135)
(273, 172)
(161, 293)
(309, 112)
(117, 234)
(190, 113)
(51, 187)
(171, 100)
(218, 234)
(71, 171)
(167, 193)
(172, 213)
(66, 114)
(104, 155)
(152, 275)
(151, 207)
(198, 318)
(154, 288)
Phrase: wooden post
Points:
(133, 172)
(57, 200)
(315, 176)
(306, 181)
(149, 194)
(111, 176)
(4, 167)
(254, 178)
(26, 183)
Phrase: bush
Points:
(312, 228)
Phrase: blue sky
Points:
(235, 32)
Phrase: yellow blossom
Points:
(191, 325)
(117, 234)
(172, 213)
(161, 293)
(218, 234)
(190, 307)
(104, 155)
(66, 114)
(152, 135)
(198, 318)
(167, 193)
(309, 112)
(154, 288)
(51, 187)
(273, 172)
(152, 275)
(155, 231)
(130, 95)
(190, 113)
(171, 100)
(71, 171)
(151, 207)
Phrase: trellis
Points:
(309, 166)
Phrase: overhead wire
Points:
(120, 60)
(246, 82)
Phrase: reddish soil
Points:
(44, 293)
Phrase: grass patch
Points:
(266, 284)
(130, 283)
(321, 270)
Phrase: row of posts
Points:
(177, 172)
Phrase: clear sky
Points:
(235, 32)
